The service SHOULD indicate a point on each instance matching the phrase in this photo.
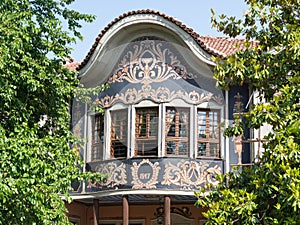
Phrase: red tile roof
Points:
(222, 46)
(69, 64)
(217, 46)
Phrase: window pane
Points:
(183, 123)
(120, 149)
(201, 149)
(171, 147)
(146, 131)
(201, 117)
(201, 131)
(177, 131)
(201, 124)
(97, 137)
(171, 122)
(214, 149)
(182, 148)
(147, 147)
(208, 133)
(147, 121)
(119, 124)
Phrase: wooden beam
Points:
(125, 210)
(95, 211)
(167, 210)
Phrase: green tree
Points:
(269, 191)
(37, 163)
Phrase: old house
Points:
(160, 136)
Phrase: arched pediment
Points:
(134, 25)
(154, 69)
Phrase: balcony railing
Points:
(154, 173)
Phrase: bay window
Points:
(175, 129)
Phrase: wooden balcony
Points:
(153, 174)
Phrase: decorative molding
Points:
(238, 106)
(149, 61)
(160, 175)
(190, 174)
(145, 174)
(116, 175)
(161, 94)
(183, 211)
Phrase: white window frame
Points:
(146, 104)
(214, 107)
(180, 104)
(131, 113)
(116, 107)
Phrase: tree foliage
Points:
(37, 163)
(269, 191)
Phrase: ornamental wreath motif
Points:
(145, 174)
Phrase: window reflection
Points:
(119, 124)
(177, 131)
(208, 133)
(97, 137)
(146, 131)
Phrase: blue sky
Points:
(193, 13)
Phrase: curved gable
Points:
(148, 56)
(139, 23)
(151, 68)
(205, 46)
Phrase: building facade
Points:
(159, 137)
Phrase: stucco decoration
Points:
(145, 174)
(155, 173)
(149, 61)
(153, 69)
(116, 175)
(190, 174)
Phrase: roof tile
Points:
(217, 46)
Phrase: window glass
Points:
(177, 131)
(119, 133)
(208, 133)
(146, 131)
(97, 137)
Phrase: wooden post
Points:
(96, 211)
(167, 210)
(125, 210)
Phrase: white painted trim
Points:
(132, 130)
(85, 142)
(227, 150)
(193, 129)
(128, 192)
(136, 19)
(106, 146)
(161, 130)
(210, 106)
(88, 137)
